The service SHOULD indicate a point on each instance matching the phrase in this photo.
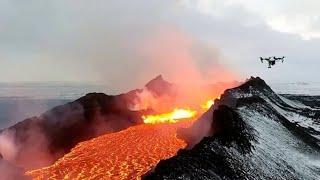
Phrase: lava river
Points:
(127, 154)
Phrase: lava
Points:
(127, 154)
(172, 117)
(176, 115)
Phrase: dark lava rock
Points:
(308, 100)
(211, 159)
(42, 140)
(251, 137)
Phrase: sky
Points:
(123, 44)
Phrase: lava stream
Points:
(127, 154)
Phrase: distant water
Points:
(22, 100)
(302, 88)
(19, 101)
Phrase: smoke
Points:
(7, 147)
(196, 69)
(120, 45)
(32, 153)
(146, 99)
(8, 152)
(10, 172)
(201, 128)
(180, 57)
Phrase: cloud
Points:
(99, 41)
(294, 17)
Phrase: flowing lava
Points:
(172, 117)
(127, 154)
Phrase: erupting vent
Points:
(123, 155)
(172, 117)
(176, 115)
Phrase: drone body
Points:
(272, 60)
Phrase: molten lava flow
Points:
(127, 154)
(172, 117)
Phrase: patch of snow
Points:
(293, 103)
(303, 121)
(277, 145)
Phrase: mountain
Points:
(39, 141)
(160, 87)
(250, 133)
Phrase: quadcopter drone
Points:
(272, 60)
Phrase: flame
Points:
(208, 104)
(171, 117)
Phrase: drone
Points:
(272, 60)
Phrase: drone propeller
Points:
(261, 59)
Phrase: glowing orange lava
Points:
(127, 154)
(172, 117)
(176, 115)
(208, 104)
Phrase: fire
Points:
(171, 117)
(208, 104)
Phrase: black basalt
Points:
(214, 157)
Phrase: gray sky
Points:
(125, 43)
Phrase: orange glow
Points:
(172, 117)
(208, 104)
(127, 154)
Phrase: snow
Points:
(296, 118)
(271, 152)
(292, 103)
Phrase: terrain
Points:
(266, 137)
(250, 132)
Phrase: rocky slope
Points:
(252, 133)
(39, 141)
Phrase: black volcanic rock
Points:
(56, 131)
(42, 140)
(308, 100)
(254, 134)
(210, 158)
